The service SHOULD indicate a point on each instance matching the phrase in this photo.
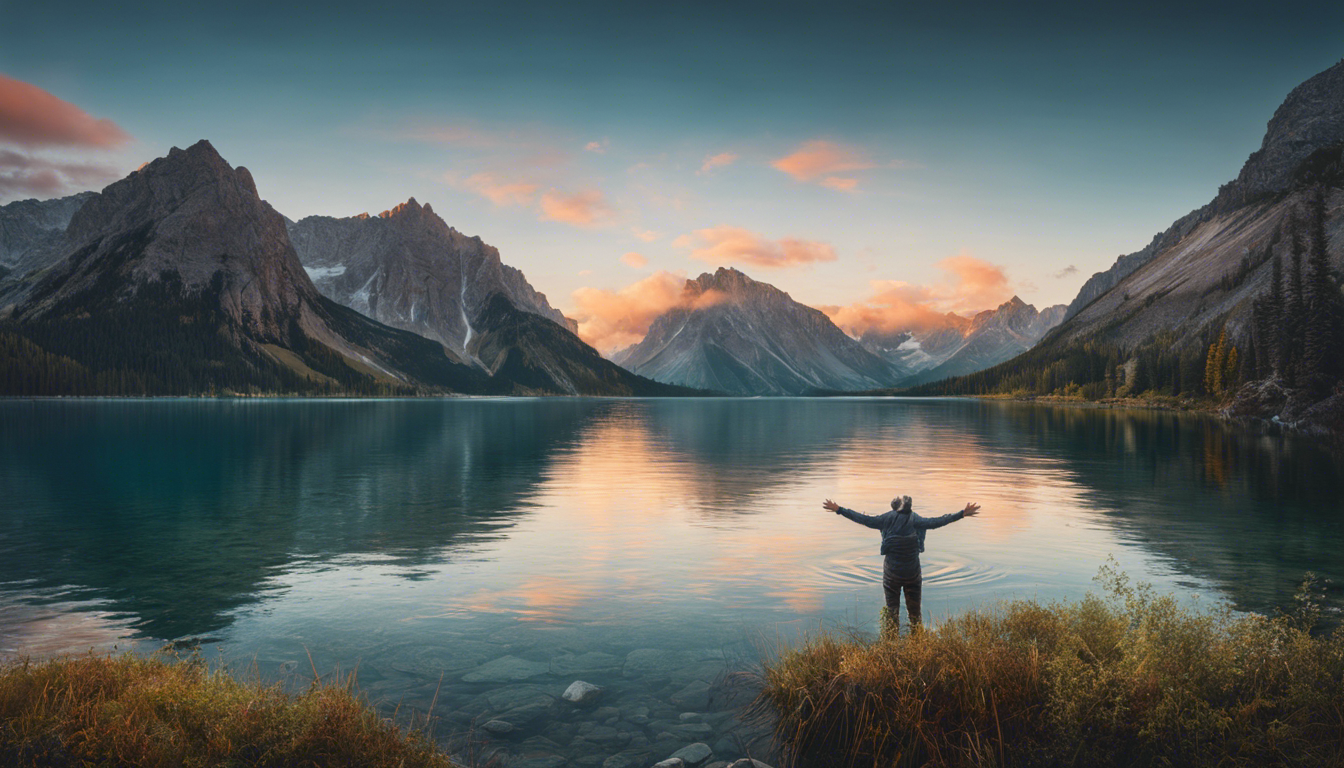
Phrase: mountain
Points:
(180, 279)
(407, 268)
(735, 335)
(991, 337)
(1191, 314)
(913, 351)
(31, 235)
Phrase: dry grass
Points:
(1129, 678)
(166, 711)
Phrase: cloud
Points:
(728, 245)
(501, 192)
(647, 235)
(23, 175)
(1065, 272)
(840, 184)
(30, 117)
(973, 285)
(598, 147)
(588, 208)
(611, 320)
(636, 260)
(717, 161)
(815, 159)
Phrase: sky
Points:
(887, 162)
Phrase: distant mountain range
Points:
(180, 279)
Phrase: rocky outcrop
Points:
(736, 335)
(28, 225)
(407, 268)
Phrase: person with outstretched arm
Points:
(902, 541)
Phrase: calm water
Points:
(651, 547)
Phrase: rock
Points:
(627, 759)
(693, 754)
(693, 696)
(498, 728)
(692, 730)
(538, 761)
(707, 671)
(582, 694)
(605, 714)
(506, 669)
(671, 762)
(689, 717)
(748, 762)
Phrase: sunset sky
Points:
(892, 157)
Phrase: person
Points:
(902, 541)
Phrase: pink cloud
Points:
(499, 191)
(598, 147)
(582, 209)
(22, 175)
(728, 245)
(821, 158)
(636, 260)
(31, 117)
(895, 305)
(717, 161)
(610, 320)
(840, 184)
(647, 235)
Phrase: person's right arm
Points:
(872, 521)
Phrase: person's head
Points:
(900, 504)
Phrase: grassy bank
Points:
(162, 711)
(1127, 678)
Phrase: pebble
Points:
(498, 727)
(582, 694)
(693, 754)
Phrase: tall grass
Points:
(166, 711)
(1125, 678)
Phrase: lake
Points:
(480, 555)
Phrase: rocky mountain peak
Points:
(1311, 118)
(733, 283)
(408, 209)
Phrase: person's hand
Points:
(972, 509)
(831, 505)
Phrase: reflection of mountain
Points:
(179, 530)
(1252, 509)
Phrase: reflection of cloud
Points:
(33, 118)
(734, 245)
(717, 161)
(609, 320)
(588, 208)
(900, 306)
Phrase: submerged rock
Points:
(693, 754)
(506, 669)
(582, 694)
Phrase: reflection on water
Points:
(647, 546)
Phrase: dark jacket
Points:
(895, 524)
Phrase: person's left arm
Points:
(971, 510)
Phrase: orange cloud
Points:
(598, 147)
(636, 260)
(717, 161)
(822, 158)
(610, 320)
(895, 305)
(727, 245)
(582, 209)
(647, 235)
(840, 184)
(500, 192)
(31, 117)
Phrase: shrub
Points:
(1126, 678)
(165, 711)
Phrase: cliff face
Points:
(1191, 276)
(734, 334)
(407, 268)
(26, 225)
(991, 337)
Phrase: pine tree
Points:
(1214, 364)
(1273, 318)
(1321, 332)
(1294, 309)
